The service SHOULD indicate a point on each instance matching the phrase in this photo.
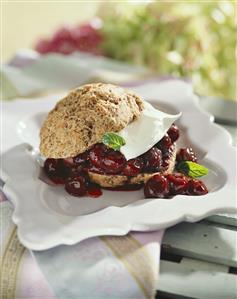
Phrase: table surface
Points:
(199, 260)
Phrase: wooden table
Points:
(199, 260)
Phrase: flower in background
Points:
(68, 39)
(196, 40)
(185, 39)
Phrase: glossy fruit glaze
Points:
(166, 186)
(73, 172)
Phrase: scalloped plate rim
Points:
(122, 228)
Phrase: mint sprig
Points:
(113, 140)
(192, 169)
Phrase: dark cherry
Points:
(57, 170)
(68, 162)
(64, 169)
(81, 159)
(80, 163)
(76, 186)
(152, 160)
(178, 183)
(75, 170)
(92, 168)
(51, 167)
(97, 153)
(156, 187)
(113, 162)
(168, 153)
(165, 143)
(166, 158)
(196, 187)
(186, 154)
(133, 167)
(173, 133)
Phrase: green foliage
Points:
(195, 39)
(192, 169)
(113, 140)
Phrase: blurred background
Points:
(195, 40)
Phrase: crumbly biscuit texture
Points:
(82, 118)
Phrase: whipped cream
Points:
(146, 131)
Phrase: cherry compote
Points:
(178, 183)
(81, 159)
(57, 170)
(106, 159)
(157, 187)
(97, 154)
(113, 162)
(94, 190)
(173, 133)
(152, 160)
(76, 186)
(186, 154)
(73, 172)
(133, 167)
(165, 143)
(196, 187)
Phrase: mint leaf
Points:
(192, 169)
(113, 140)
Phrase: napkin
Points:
(29, 73)
(103, 267)
(97, 268)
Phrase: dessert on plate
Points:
(103, 136)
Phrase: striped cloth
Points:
(104, 267)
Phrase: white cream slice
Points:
(146, 131)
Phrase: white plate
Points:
(47, 216)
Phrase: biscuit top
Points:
(82, 118)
